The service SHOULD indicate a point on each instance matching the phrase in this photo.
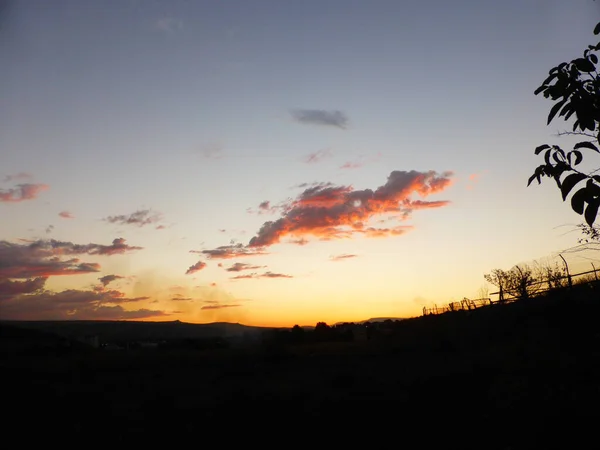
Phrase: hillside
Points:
(118, 331)
(516, 376)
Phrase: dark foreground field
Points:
(524, 375)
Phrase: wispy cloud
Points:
(318, 156)
(22, 192)
(360, 162)
(66, 215)
(196, 267)
(230, 251)
(261, 275)
(239, 267)
(341, 257)
(17, 176)
(213, 150)
(474, 178)
(169, 24)
(138, 218)
(331, 212)
(333, 118)
(208, 307)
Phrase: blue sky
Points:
(198, 112)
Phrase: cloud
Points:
(181, 298)
(196, 267)
(261, 275)
(17, 176)
(29, 300)
(351, 165)
(42, 258)
(333, 212)
(474, 178)
(360, 163)
(341, 257)
(267, 208)
(320, 117)
(105, 280)
(10, 288)
(49, 229)
(219, 306)
(169, 24)
(230, 251)
(318, 156)
(138, 218)
(238, 267)
(73, 304)
(212, 150)
(66, 215)
(22, 192)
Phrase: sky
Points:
(275, 163)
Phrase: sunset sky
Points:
(274, 162)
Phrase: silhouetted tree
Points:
(519, 281)
(499, 278)
(575, 87)
(297, 334)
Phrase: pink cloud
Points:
(22, 192)
(66, 215)
(318, 156)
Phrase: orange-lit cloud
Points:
(22, 192)
(138, 218)
(230, 251)
(196, 267)
(238, 267)
(328, 212)
(66, 215)
(342, 257)
(318, 156)
(261, 275)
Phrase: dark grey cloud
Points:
(333, 118)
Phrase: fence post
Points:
(568, 274)
(595, 271)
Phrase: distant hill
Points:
(114, 331)
(374, 319)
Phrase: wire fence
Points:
(534, 289)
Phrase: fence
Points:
(504, 297)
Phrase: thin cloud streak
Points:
(333, 118)
(139, 218)
(66, 215)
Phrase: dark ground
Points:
(524, 375)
